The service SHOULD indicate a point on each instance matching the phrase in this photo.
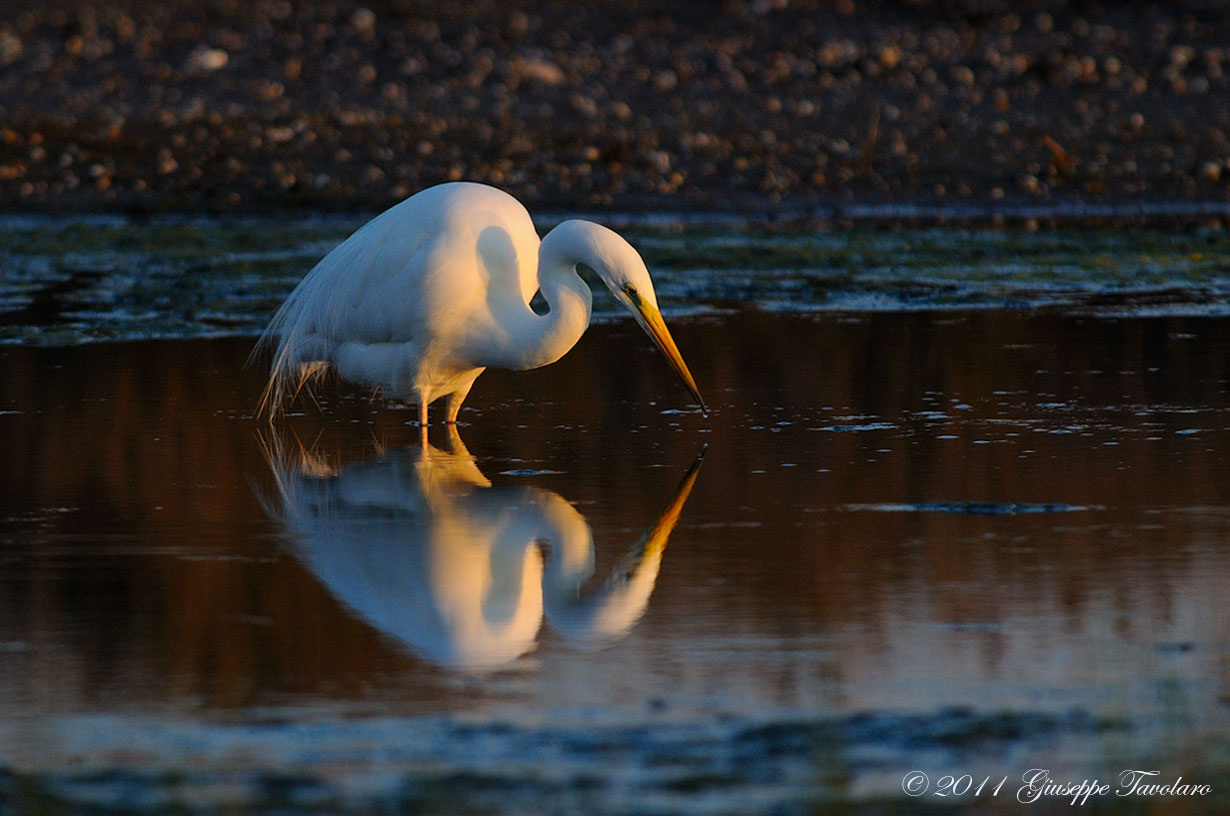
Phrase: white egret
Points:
(424, 297)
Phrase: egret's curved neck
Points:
(546, 338)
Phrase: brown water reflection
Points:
(897, 513)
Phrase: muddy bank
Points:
(227, 106)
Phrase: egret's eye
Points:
(630, 290)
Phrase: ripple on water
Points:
(971, 508)
(858, 426)
(204, 278)
(637, 765)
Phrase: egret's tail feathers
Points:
(297, 355)
(301, 335)
(286, 382)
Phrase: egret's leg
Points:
(423, 423)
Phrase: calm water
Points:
(971, 520)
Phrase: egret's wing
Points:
(407, 275)
(349, 293)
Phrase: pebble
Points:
(221, 105)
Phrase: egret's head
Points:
(621, 268)
(625, 275)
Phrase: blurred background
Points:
(220, 105)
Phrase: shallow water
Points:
(77, 281)
(954, 540)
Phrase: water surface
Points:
(966, 538)
(111, 279)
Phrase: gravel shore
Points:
(228, 106)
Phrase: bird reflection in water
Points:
(419, 544)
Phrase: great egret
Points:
(424, 297)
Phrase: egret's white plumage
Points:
(428, 294)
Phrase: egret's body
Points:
(428, 294)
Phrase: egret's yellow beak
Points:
(651, 321)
